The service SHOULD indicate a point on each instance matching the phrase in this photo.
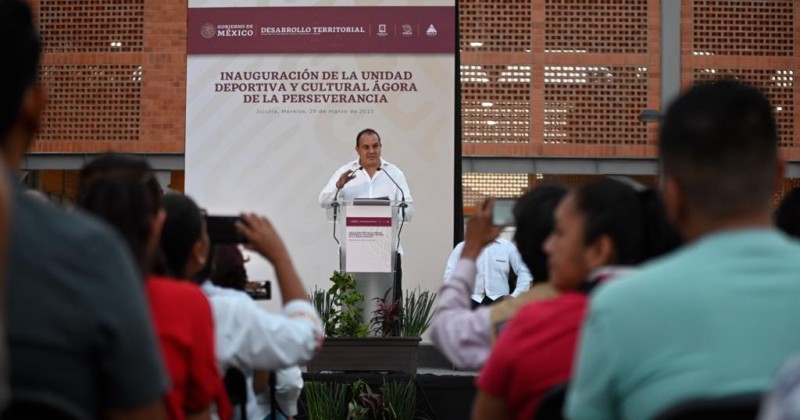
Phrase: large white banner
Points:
(276, 93)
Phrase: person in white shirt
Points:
(493, 266)
(369, 176)
(233, 309)
(251, 339)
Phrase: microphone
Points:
(403, 204)
(335, 205)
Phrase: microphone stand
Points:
(335, 205)
(403, 205)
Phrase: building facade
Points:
(549, 88)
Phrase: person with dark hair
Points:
(227, 267)
(787, 216)
(534, 214)
(229, 278)
(247, 337)
(184, 238)
(598, 235)
(718, 316)
(80, 339)
(465, 335)
(366, 177)
(122, 191)
(370, 176)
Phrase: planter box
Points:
(382, 354)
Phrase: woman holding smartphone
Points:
(601, 230)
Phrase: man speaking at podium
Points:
(369, 176)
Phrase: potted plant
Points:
(417, 312)
(346, 348)
(340, 307)
(325, 401)
(394, 400)
(387, 319)
(400, 398)
(397, 400)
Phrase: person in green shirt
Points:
(718, 316)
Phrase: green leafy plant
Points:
(417, 312)
(326, 401)
(400, 398)
(340, 307)
(395, 401)
(323, 303)
(366, 404)
(387, 318)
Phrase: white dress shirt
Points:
(362, 186)
(250, 338)
(493, 266)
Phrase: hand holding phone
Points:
(262, 237)
(503, 212)
(222, 230)
(480, 230)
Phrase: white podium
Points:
(366, 230)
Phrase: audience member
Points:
(80, 339)
(229, 278)
(534, 214)
(599, 233)
(494, 265)
(123, 191)
(787, 216)
(716, 317)
(464, 335)
(251, 339)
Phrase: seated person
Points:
(123, 191)
(599, 233)
(534, 214)
(464, 335)
(719, 316)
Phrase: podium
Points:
(367, 232)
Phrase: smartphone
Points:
(259, 290)
(222, 230)
(503, 212)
